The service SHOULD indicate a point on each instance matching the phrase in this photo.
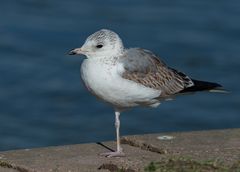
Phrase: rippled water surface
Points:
(43, 101)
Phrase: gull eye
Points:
(99, 46)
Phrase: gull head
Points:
(103, 43)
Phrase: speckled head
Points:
(103, 43)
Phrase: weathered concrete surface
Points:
(7, 170)
(140, 150)
(221, 144)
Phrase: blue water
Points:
(43, 101)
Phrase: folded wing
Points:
(144, 67)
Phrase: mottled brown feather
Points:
(144, 67)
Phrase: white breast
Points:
(104, 81)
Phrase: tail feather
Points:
(204, 86)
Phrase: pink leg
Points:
(119, 152)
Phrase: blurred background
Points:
(43, 101)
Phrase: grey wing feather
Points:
(144, 67)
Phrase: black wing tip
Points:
(205, 86)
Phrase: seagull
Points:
(127, 78)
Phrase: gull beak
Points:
(76, 51)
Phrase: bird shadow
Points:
(106, 147)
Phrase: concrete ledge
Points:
(201, 146)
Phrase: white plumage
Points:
(104, 80)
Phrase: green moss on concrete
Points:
(188, 165)
(4, 164)
(235, 167)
